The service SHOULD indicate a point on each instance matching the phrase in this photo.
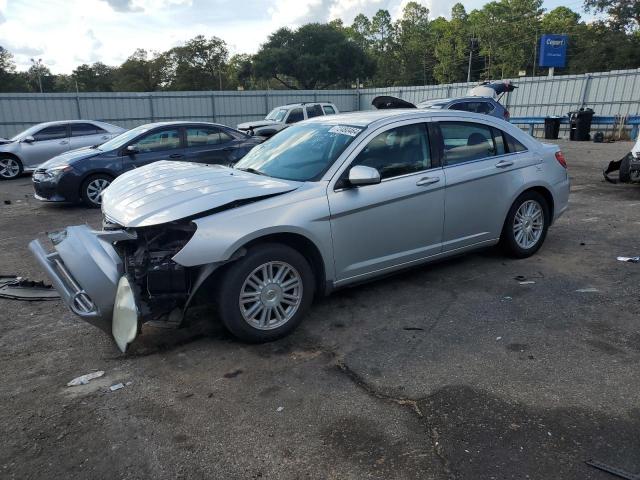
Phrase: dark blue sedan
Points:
(81, 175)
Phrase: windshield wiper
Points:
(252, 170)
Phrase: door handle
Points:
(176, 155)
(504, 163)
(64, 142)
(105, 138)
(427, 181)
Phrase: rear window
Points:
(81, 129)
(314, 111)
(329, 110)
(295, 115)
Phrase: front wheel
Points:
(264, 295)
(526, 225)
(92, 187)
(10, 168)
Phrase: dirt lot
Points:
(448, 371)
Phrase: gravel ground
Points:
(450, 371)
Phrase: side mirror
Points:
(361, 175)
(29, 139)
(131, 149)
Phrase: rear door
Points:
(377, 228)
(206, 144)
(482, 177)
(162, 144)
(48, 142)
(314, 110)
(295, 115)
(86, 135)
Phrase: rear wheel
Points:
(624, 174)
(264, 295)
(10, 168)
(92, 187)
(526, 225)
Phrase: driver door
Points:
(378, 228)
(163, 144)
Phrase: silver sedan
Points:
(321, 205)
(28, 149)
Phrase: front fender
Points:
(304, 212)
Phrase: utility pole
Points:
(472, 44)
(38, 67)
(535, 54)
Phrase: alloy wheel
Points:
(528, 224)
(95, 188)
(271, 295)
(9, 168)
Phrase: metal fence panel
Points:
(608, 93)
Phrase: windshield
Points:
(300, 152)
(123, 138)
(276, 115)
(27, 132)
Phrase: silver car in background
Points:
(326, 203)
(28, 149)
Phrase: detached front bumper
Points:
(86, 270)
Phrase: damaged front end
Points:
(119, 278)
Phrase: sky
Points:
(68, 33)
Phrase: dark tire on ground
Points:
(88, 189)
(624, 174)
(10, 167)
(232, 280)
(508, 241)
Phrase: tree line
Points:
(500, 40)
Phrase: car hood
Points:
(167, 191)
(256, 124)
(4, 141)
(67, 158)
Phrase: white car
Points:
(281, 117)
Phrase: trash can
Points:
(551, 128)
(580, 121)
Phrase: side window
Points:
(199, 136)
(465, 141)
(329, 110)
(158, 141)
(81, 129)
(54, 132)
(314, 111)
(514, 145)
(398, 151)
(499, 141)
(484, 107)
(295, 115)
(464, 106)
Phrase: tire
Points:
(245, 320)
(531, 239)
(93, 185)
(624, 174)
(10, 168)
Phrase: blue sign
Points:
(553, 50)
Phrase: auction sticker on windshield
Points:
(345, 130)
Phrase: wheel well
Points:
(11, 155)
(547, 196)
(303, 245)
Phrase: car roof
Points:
(371, 118)
(301, 104)
(183, 122)
(457, 99)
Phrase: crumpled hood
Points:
(166, 191)
(256, 124)
(67, 158)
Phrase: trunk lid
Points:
(166, 191)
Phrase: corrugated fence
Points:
(608, 93)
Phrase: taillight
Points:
(507, 115)
(560, 158)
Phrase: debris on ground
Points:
(85, 379)
(279, 409)
(115, 387)
(588, 290)
(629, 259)
(7, 202)
(507, 298)
(498, 339)
(18, 288)
(233, 374)
(618, 472)
(527, 282)
(413, 329)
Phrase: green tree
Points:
(94, 78)
(413, 44)
(624, 14)
(313, 56)
(139, 73)
(10, 81)
(199, 64)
